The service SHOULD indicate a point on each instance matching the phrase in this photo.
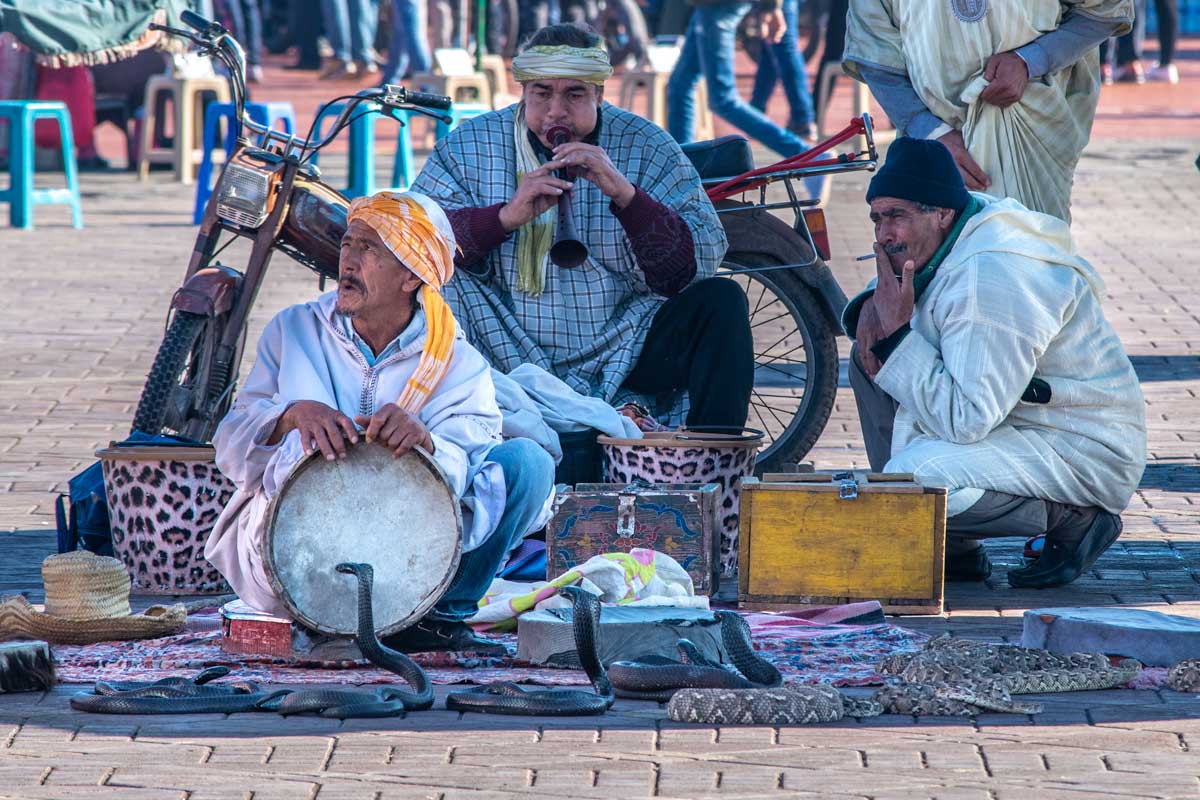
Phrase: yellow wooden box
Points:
(826, 538)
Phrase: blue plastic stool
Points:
(20, 194)
(262, 113)
(403, 164)
(458, 113)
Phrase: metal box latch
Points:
(847, 485)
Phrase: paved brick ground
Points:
(77, 337)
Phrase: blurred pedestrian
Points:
(408, 48)
(245, 17)
(709, 50)
(1010, 88)
(782, 61)
(1166, 14)
(1126, 51)
(350, 27)
(304, 24)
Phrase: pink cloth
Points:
(73, 86)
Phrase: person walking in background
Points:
(245, 17)
(350, 28)
(408, 48)
(1167, 19)
(708, 52)
(1010, 88)
(782, 62)
(1127, 51)
(304, 25)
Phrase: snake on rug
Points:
(199, 695)
(1185, 676)
(948, 676)
(509, 698)
(655, 677)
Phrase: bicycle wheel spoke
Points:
(785, 313)
(783, 371)
(781, 356)
(767, 406)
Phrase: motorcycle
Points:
(270, 193)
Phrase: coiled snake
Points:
(509, 698)
(199, 696)
(658, 678)
(948, 677)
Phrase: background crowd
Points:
(390, 41)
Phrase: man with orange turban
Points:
(380, 358)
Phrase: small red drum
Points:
(397, 514)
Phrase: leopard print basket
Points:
(691, 456)
(162, 504)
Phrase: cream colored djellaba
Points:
(1011, 302)
(1029, 149)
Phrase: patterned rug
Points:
(813, 646)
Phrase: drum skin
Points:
(397, 514)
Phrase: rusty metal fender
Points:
(211, 291)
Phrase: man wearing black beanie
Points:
(983, 362)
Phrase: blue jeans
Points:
(350, 28)
(708, 50)
(408, 50)
(246, 19)
(782, 61)
(528, 476)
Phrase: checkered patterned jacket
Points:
(589, 324)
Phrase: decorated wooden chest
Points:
(677, 519)
(827, 538)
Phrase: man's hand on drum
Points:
(538, 191)
(593, 164)
(396, 429)
(321, 428)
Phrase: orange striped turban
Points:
(418, 233)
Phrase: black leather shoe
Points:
(972, 565)
(436, 635)
(1065, 558)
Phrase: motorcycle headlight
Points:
(243, 197)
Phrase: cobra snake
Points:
(948, 677)
(508, 698)
(199, 695)
(658, 678)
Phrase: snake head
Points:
(348, 568)
(573, 593)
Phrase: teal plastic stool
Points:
(362, 144)
(458, 113)
(403, 164)
(20, 194)
(262, 113)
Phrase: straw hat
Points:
(87, 600)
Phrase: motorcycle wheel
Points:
(795, 362)
(167, 398)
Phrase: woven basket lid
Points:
(82, 585)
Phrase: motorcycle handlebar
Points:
(425, 99)
(199, 23)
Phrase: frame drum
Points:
(397, 514)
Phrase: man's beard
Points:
(340, 306)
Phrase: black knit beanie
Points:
(920, 170)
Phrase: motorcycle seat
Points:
(723, 157)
